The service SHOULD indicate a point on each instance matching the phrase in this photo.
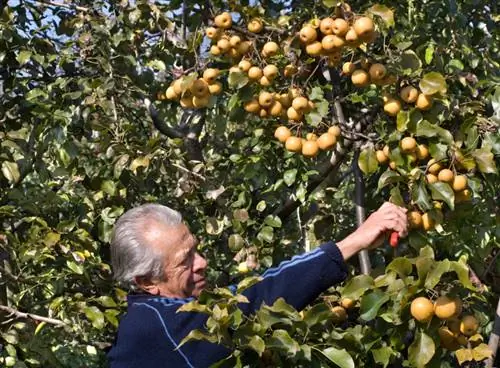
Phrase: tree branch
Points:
(160, 124)
(48, 3)
(34, 317)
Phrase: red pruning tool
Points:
(394, 239)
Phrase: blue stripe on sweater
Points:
(166, 331)
(294, 261)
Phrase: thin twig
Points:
(189, 171)
(35, 317)
(62, 5)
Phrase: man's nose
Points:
(200, 263)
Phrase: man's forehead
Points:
(160, 235)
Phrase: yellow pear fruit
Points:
(326, 141)
(223, 20)
(409, 94)
(271, 48)
(255, 73)
(408, 144)
(340, 27)
(282, 133)
(293, 144)
(360, 78)
(255, 25)
(423, 102)
(377, 71)
(210, 75)
(308, 34)
(252, 106)
(326, 26)
(310, 148)
(364, 27)
(215, 88)
(271, 71)
(392, 107)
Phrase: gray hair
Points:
(131, 256)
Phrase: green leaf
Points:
(371, 303)
(420, 196)
(438, 151)
(410, 60)
(266, 234)
(95, 316)
(157, 65)
(485, 160)
(340, 357)
(237, 80)
(281, 340)
(435, 274)
(34, 93)
(314, 118)
(481, 352)
(456, 64)
(289, 176)
(10, 171)
(382, 355)
(368, 161)
(246, 283)
(429, 53)
(317, 314)
(383, 12)
(106, 301)
(134, 16)
(388, 177)
(198, 335)
(23, 57)
(443, 192)
(462, 270)
(427, 129)
(396, 197)
(330, 3)
(257, 344)
(316, 94)
(421, 351)
(213, 227)
(402, 120)
(432, 83)
(402, 266)
(139, 162)
(235, 242)
(282, 307)
(108, 186)
(273, 220)
(424, 265)
(76, 268)
(357, 286)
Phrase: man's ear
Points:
(146, 284)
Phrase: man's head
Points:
(152, 249)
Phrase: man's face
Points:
(184, 266)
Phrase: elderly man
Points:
(154, 252)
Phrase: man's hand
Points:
(386, 219)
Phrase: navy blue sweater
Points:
(151, 330)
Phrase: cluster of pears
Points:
(223, 42)
(328, 36)
(195, 93)
(264, 76)
(410, 95)
(457, 330)
(366, 73)
(435, 172)
(291, 105)
(340, 311)
(312, 144)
